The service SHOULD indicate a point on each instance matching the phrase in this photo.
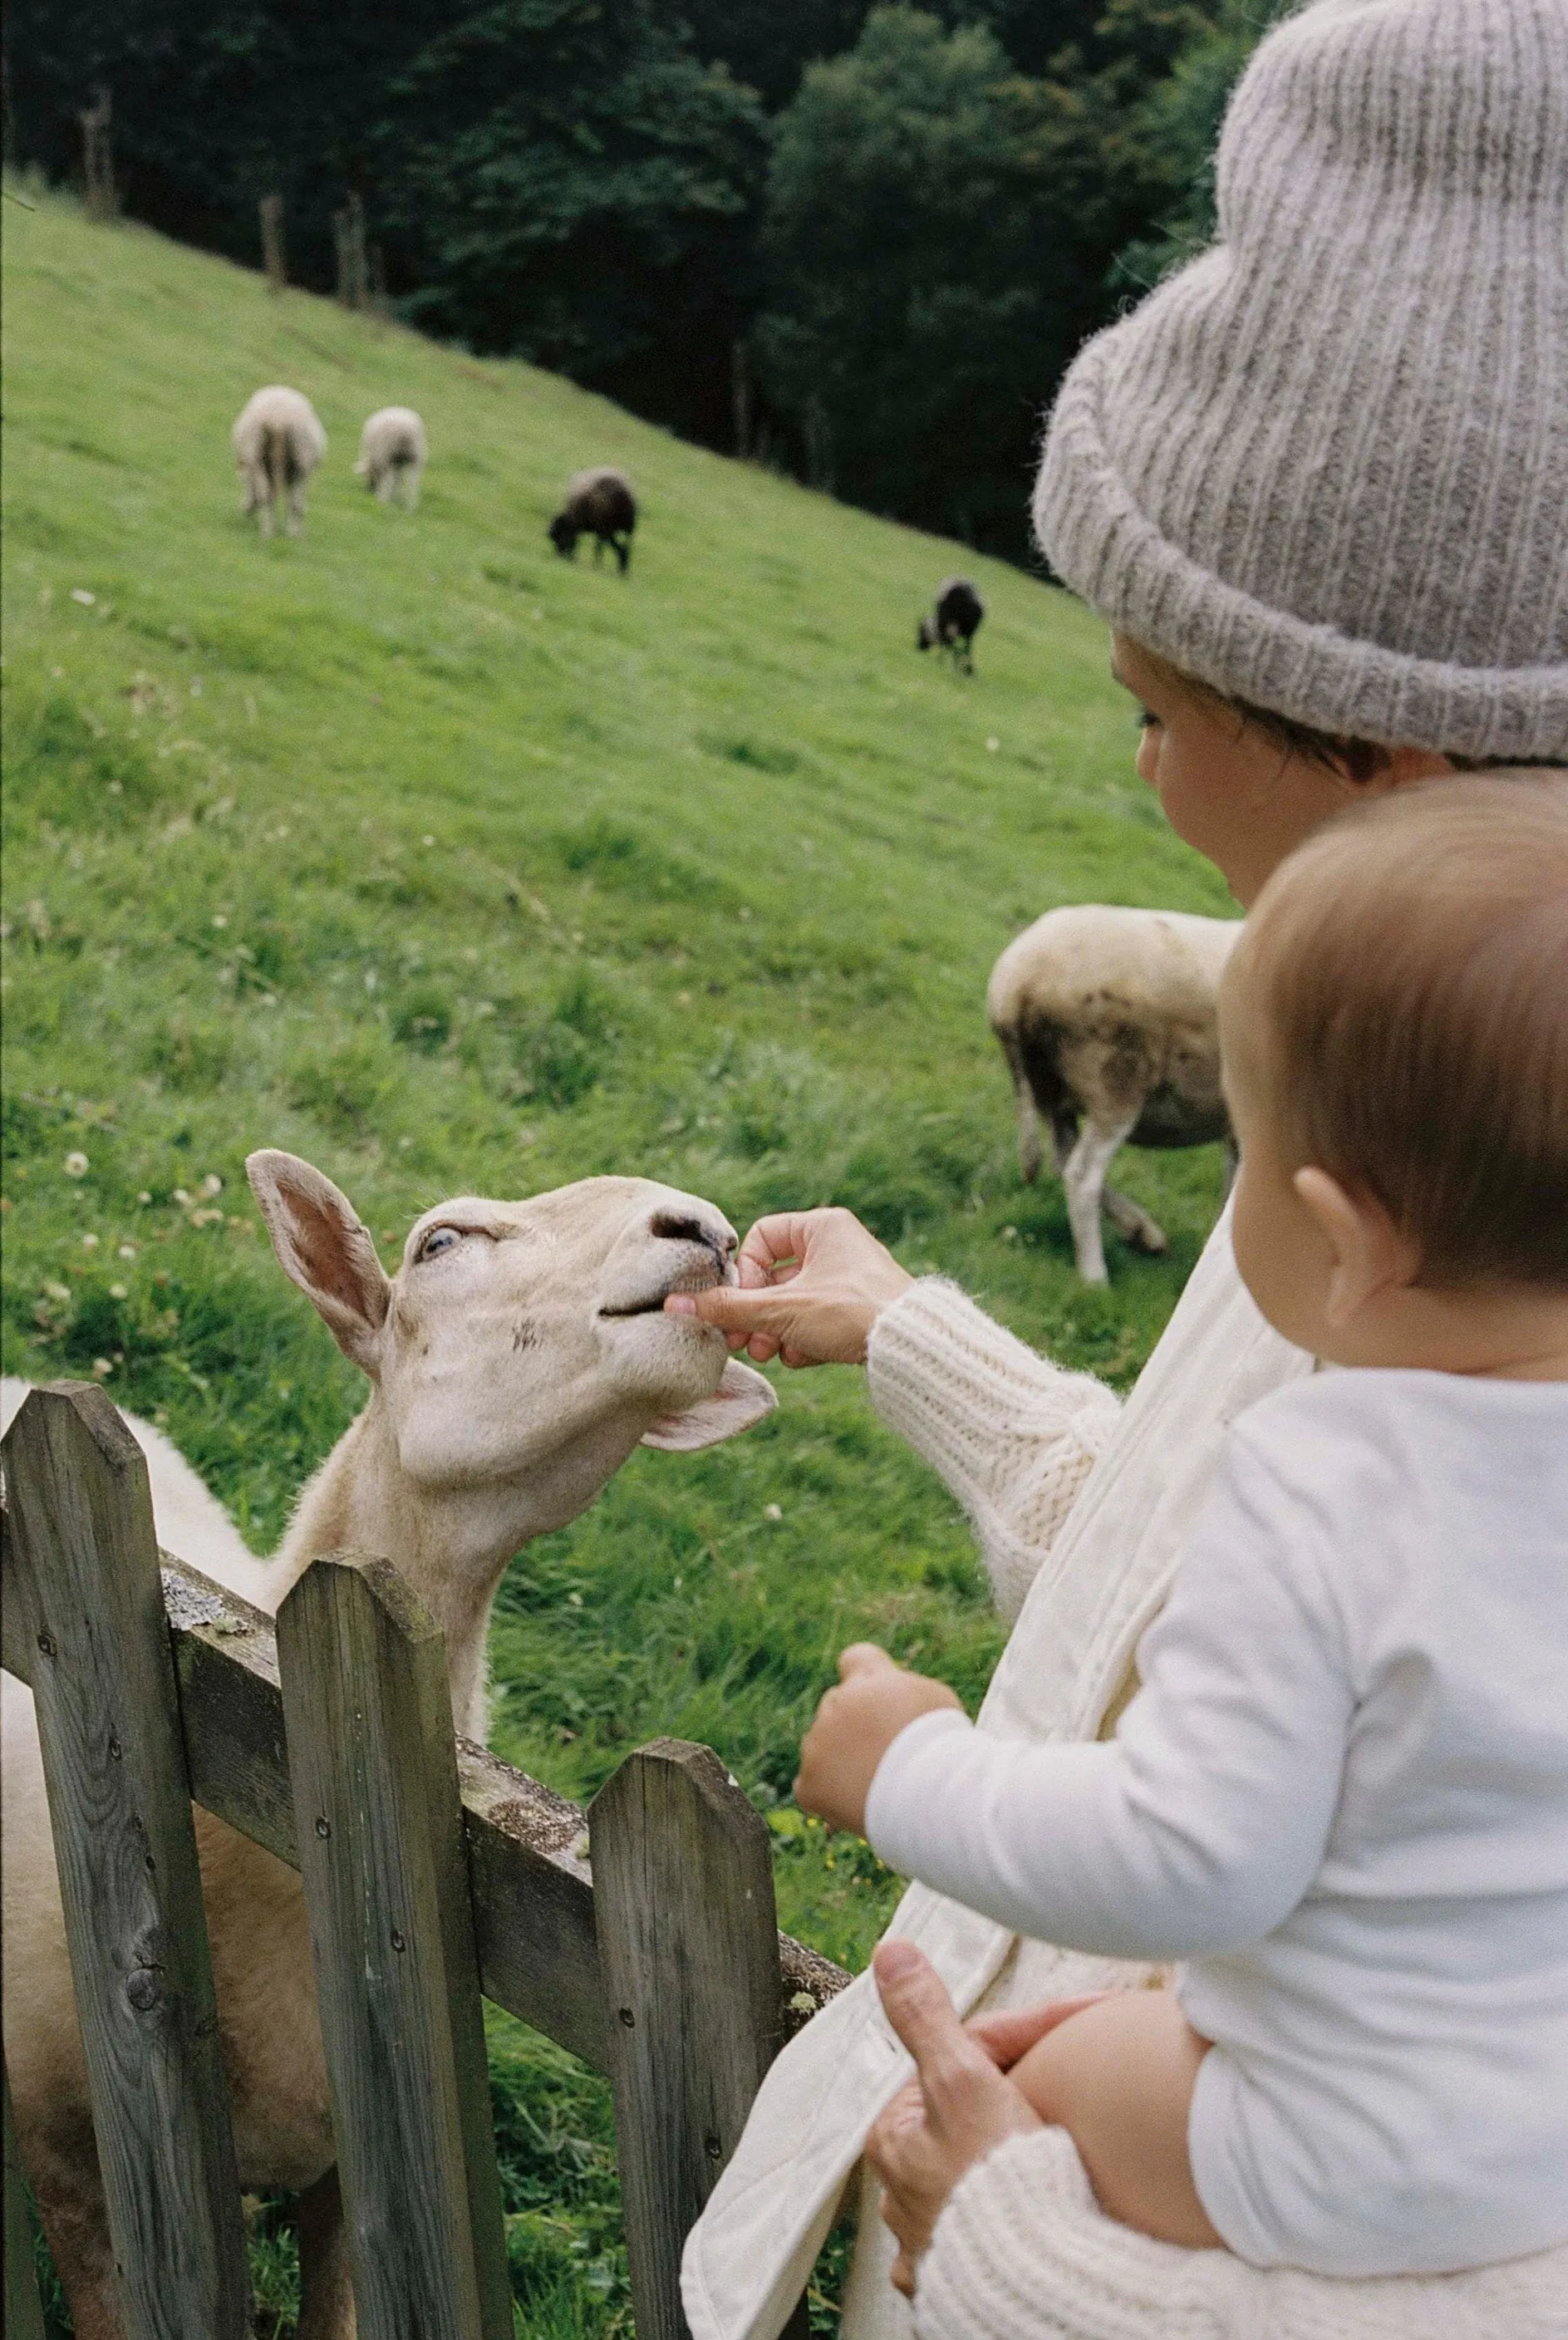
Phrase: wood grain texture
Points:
(531, 1879)
(24, 2315)
(83, 1578)
(689, 1950)
(373, 1767)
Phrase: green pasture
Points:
(455, 867)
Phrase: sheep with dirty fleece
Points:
(393, 455)
(1108, 1020)
(601, 503)
(278, 442)
(954, 621)
(516, 1358)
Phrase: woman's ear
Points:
(1368, 1255)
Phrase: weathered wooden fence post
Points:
(98, 158)
(271, 208)
(349, 235)
(379, 1818)
(24, 2315)
(83, 1565)
(688, 1950)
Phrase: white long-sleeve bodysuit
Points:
(1342, 1797)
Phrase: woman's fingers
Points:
(915, 2001)
(1011, 2032)
(812, 1285)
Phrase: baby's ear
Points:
(324, 1247)
(742, 1399)
(1368, 1255)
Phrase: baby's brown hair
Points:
(1410, 966)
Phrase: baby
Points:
(1340, 1796)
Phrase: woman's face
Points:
(1230, 791)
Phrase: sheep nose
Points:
(721, 1240)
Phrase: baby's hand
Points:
(854, 1727)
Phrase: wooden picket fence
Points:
(433, 1873)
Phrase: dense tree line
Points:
(863, 241)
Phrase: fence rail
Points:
(431, 1872)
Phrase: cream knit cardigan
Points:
(1081, 1507)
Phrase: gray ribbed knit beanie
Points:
(1324, 467)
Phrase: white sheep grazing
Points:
(1108, 1020)
(393, 454)
(278, 442)
(515, 1360)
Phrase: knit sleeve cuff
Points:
(1013, 1435)
(1022, 2228)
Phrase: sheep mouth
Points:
(654, 1305)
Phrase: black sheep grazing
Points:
(601, 504)
(954, 622)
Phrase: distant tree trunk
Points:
(349, 232)
(741, 398)
(97, 158)
(379, 302)
(271, 208)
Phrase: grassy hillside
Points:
(413, 848)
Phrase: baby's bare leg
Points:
(1119, 2079)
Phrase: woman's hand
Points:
(958, 2107)
(812, 1284)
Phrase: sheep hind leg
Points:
(326, 2284)
(1132, 1223)
(1083, 1176)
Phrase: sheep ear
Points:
(324, 1247)
(742, 1399)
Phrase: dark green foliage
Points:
(938, 228)
(572, 184)
(1179, 120)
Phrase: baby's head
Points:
(1394, 1027)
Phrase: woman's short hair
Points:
(1410, 965)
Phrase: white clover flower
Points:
(143, 1196)
(80, 593)
(181, 1195)
(89, 1242)
(118, 1292)
(211, 1183)
(126, 1251)
(76, 1165)
(57, 1291)
(773, 1511)
(101, 1369)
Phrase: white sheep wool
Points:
(1325, 467)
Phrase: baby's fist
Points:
(854, 1727)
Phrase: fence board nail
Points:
(83, 1591)
(378, 1824)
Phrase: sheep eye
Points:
(1148, 721)
(439, 1239)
